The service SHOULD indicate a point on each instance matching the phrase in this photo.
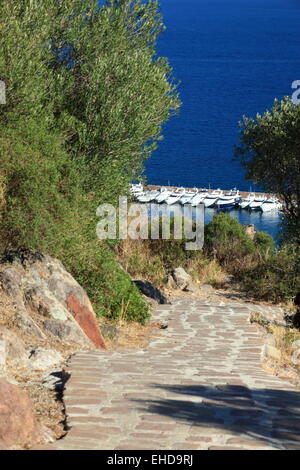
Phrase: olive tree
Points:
(270, 153)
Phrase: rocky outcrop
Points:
(18, 427)
(48, 300)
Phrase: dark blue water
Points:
(233, 57)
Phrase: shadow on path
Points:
(270, 415)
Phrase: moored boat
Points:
(199, 197)
(257, 202)
(175, 196)
(211, 199)
(148, 196)
(136, 189)
(164, 194)
(271, 204)
(245, 202)
(188, 197)
(228, 200)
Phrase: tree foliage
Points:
(226, 239)
(270, 153)
(86, 100)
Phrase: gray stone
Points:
(171, 282)
(15, 348)
(68, 331)
(28, 325)
(181, 278)
(110, 331)
(43, 359)
(270, 352)
(206, 287)
(149, 290)
(190, 288)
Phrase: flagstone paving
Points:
(197, 385)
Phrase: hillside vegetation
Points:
(86, 99)
(87, 96)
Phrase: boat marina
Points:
(218, 199)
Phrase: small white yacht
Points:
(228, 200)
(148, 196)
(136, 189)
(271, 204)
(163, 195)
(212, 198)
(245, 202)
(175, 196)
(188, 197)
(257, 202)
(199, 197)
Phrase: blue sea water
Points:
(232, 57)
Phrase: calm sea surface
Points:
(232, 57)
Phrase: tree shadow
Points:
(269, 415)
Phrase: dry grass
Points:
(284, 338)
(131, 334)
(2, 192)
(138, 259)
(208, 272)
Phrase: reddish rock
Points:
(18, 427)
(86, 318)
(48, 300)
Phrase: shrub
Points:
(264, 243)
(111, 290)
(227, 241)
(277, 279)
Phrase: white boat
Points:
(175, 197)
(271, 204)
(148, 196)
(212, 198)
(136, 189)
(164, 194)
(257, 202)
(228, 200)
(245, 202)
(188, 197)
(199, 197)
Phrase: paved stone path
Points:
(198, 385)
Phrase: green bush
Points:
(111, 290)
(39, 184)
(264, 243)
(83, 113)
(277, 279)
(227, 241)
